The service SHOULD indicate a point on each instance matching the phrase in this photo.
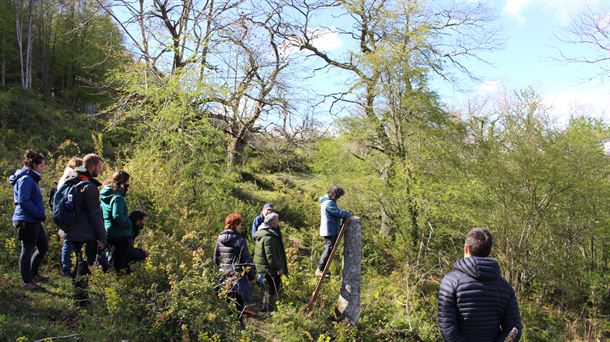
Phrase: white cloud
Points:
(490, 87)
(561, 10)
(515, 8)
(327, 39)
(324, 39)
(583, 102)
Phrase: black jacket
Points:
(90, 223)
(231, 252)
(475, 303)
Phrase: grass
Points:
(34, 315)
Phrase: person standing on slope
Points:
(330, 221)
(475, 303)
(28, 217)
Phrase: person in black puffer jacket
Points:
(475, 303)
(234, 262)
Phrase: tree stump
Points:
(348, 306)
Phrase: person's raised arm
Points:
(447, 310)
(333, 210)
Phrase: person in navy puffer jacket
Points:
(475, 303)
(28, 217)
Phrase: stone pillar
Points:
(348, 306)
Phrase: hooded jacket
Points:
(260, 219)
(29, 205)
(231, 252)
(115, 213)
(475, 303)
(89, 224)
(269, 253)
(330, 217)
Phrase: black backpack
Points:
(64, 204)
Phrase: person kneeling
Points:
(138, 219)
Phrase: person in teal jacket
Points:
(116, 218)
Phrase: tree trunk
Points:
(19, 36)
(348, 306)
(3, 61)
(28, 51)
(235, 151)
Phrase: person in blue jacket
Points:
(330, 221)
(267, 209)
(28, 217)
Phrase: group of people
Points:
(475, 303)
(237, 268)
(101, 228)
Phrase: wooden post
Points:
(348, 306)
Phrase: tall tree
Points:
(235, 49)
(400, 45)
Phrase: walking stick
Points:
(316, 292)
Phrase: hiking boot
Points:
(67, 273)
(40, 278)
(31, 287)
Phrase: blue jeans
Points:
(66, 256)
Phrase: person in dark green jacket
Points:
(116, 218)
(270, 259)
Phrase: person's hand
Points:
(280, 273)
(100, 244)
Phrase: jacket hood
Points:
(107, 194)
(265, 230)
(82, 174)
(479, 268)
(227, 236)
(324, 199)
(25, 171)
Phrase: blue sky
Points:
(526, 60)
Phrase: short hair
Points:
(335, 192)
(271, 217)
(75, 162)
(479, 242)
(92, 159)
(232, 221)
(137, 215)
(32, 158)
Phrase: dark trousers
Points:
(34, 247)
(328, 247)
(274, 285)
(120, 252)
(83, 262)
